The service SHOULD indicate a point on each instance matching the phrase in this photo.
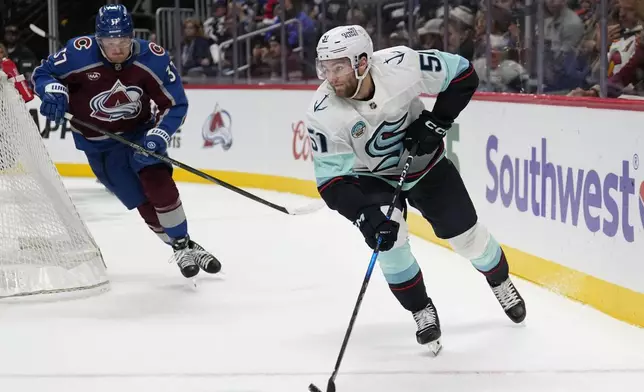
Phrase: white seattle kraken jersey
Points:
(351, 137)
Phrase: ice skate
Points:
(510, 299)
(204, 259)
(185, 257)
(429, 329)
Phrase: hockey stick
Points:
(403, 175)
(307, 209)
(42, 33)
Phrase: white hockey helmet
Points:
(344, 42)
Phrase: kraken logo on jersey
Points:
(119, 103)
(386, 143)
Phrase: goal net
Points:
(45, 247)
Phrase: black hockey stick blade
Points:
(330, 387)
(307, 209)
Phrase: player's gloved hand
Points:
(156, 140)
(372, 222)
(54, 102)
(427, 131)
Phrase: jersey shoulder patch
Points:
(153, 57)
(82, 43)
(151, 49)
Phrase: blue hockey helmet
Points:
(113, 21)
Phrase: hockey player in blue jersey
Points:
(108, 80)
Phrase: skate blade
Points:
(435, 347)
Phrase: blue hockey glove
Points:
(427, 131)
(372, 223)
(54, 102)
(156, 140)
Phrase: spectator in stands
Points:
(430, 35)
(563, 31)
(245, 15)
(460, 30)
(195, 50)
(586, 10)
(355, 16)
(24, 58)
(626, 54)
(335, 15)
(629, 74)
(273, 58)
(506, 75)
(215, 28)
(3, 51)
(504, 24)
(621, 40)
(267, 60)
(562, 25)
(507, 5)
(399, 37)
(259, 68)
(294, 10)
(269, 17)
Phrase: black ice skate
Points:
(185, 257)
(205, 260)
(429, 328)
(510, 299)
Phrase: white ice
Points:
(274, 319)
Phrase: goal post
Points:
(45, 247)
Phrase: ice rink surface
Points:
(274, 318)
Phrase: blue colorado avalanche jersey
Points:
(115, 97)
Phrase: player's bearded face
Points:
(340, 74)
(117, 50)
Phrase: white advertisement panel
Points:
(247, 131)
(561, 183)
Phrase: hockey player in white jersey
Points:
(362, 122)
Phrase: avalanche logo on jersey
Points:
(119, 103)
(386, 142)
